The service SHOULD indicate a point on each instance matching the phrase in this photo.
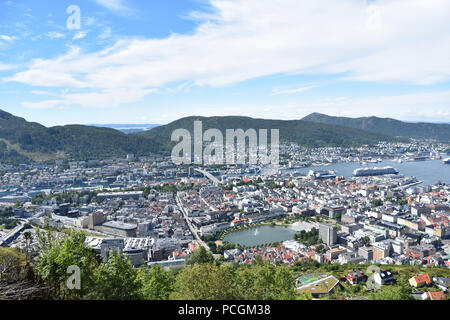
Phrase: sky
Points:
(155, 61)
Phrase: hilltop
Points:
(388, 126)
(23, 141)
(298, 131)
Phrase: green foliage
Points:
(308, 238)
(204, 281)
(365, 240)
(401, 291)
(377, 202)
(74, 141)
(116, 279)
(155, 284)
(259, 281)
(12, 262)
(265, 282)
(200, 256)
(58, 253)
(9, 223)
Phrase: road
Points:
(193, 230)
(209, 176)
(12, 235)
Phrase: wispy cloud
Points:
(47, 104)
(55, 35)
(4, 67)
(291, 91)
(7, 38)
(80, 35)
(118, 6)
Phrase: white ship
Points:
(360, 172)
(446, 161)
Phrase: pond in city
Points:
(260, 235)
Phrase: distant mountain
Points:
(127, 128)
(391, 127)
(23, 141)
(298, 131)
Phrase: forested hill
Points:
(23, 141)
(391, 127)
(302, 132)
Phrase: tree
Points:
(401, 291)
(377, 202)
(28, 240)
(205, 281)
(12, 260)
(116, 279)
(200, 256)
(305, 296)
(337, 216)
(365, 240)
(15, 279)
(58, 254)
(156, 283)
(265, 282)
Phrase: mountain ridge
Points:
(23, 141)
(388, 126)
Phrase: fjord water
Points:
(429, 171)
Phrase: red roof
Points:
(436, 295)
(422, 278)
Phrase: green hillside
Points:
(391, 127)
(298, 131)
(23, 141)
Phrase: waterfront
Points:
(260, 235)
(429, 171)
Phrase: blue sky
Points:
(155, 61)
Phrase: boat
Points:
(361, 172)
(322, 174)
(446, 161)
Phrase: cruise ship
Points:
(360, 172)
(321, 174)
(446, 161)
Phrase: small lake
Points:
(260, 235)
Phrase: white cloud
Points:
(103, 99)
(387, 41)
(80, 35)
(47, 104)
(118, 6)
(291, 91)
(105, 34)
(7, 38)
(107, 98)
(55, 35)
(4, 67)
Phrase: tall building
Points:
(111, 244)
(328, 233)
(95, 219)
